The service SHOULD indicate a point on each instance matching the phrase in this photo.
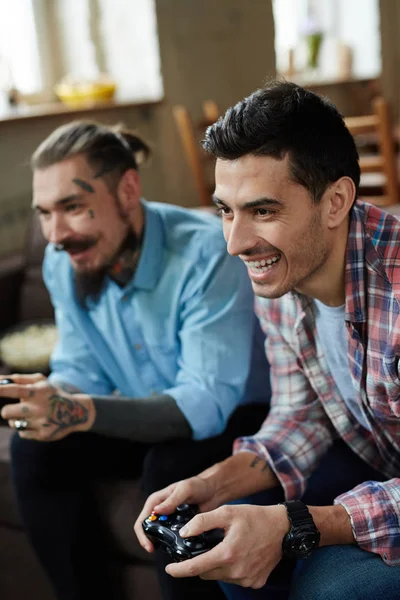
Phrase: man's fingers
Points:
(17, 391)
(203, 522)
(20, 410)
(148, 507)
(26, 379)
(180, 494)
(209, 561)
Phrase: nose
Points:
(239, 236)
(55, 229)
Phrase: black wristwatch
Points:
(303, 536)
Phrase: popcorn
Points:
(30, 348)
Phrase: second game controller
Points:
(163, 532)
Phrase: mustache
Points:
(75, 245)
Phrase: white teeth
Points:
(261, 266)
(261, 263)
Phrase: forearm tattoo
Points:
(260, 462)
(64, 413)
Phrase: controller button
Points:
(182, 507)
(152, 518)
(163, 518)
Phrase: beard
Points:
(90, 284)
(313, 249)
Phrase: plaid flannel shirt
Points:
(307, 411)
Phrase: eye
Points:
(223, 210)
(262, 212)
(72, 207)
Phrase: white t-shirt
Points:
(331, 331)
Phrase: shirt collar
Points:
(355, 302)
(355, 283)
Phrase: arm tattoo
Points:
(257, 460)
(65, 413)
(84, 185)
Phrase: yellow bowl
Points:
(81, 94)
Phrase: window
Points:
(354, 23)
(41, 42)
(19, 53)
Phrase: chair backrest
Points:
(190, 136)
(383, 160)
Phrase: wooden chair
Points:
(200, 163)
(383, 159)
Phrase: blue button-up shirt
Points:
(183, 326)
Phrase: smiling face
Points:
(272, 224)
(79, 213)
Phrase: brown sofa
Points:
(24, 298)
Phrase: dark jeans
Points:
(54, 483)
(333, 572)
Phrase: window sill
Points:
(24, 112)
(318, 80)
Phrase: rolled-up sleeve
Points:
(374, 510)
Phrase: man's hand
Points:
(51, 413)
(251, 549)
(194, 490)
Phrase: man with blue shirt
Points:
(158, 346)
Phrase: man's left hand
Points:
(251, 549)
(49, 412)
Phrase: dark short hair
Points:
(109, 150)
(286, 119)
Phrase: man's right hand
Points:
(194, 490)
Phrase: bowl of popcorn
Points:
(27, 348)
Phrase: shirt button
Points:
(138, 347)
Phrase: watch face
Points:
(300, 545)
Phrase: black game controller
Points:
(163, 532)
(5, 401)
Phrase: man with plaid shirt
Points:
(326, 271)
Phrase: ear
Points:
(339, 200)
(129, 190)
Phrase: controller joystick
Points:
(163, 532)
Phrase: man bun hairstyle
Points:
(107, 149)
(286, 119)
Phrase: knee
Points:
(25, 461)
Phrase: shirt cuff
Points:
(374, 519)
